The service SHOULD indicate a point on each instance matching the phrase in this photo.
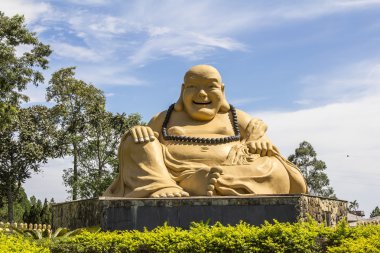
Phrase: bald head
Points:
(202, 71)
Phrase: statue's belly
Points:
(208, 154)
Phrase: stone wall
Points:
(322, 209)
(123, 213)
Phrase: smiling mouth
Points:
(202, 103)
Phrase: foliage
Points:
(24, 146)
(20, 205)
(277, 237)
(18, 69)
(18, 243)
(38, 213)
(375, 212)
(87, 132)
(22, 58)
(46, 232)
(98, 162)
(312, 169)
(73, 98)
(353, 205)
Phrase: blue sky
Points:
(310, 69)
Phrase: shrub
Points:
(302, 237)
(16, 243)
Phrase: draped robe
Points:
(148, 167)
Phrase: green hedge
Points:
(17, 243)
(277, 237)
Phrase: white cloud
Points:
(32, 10)
(89, 2)
(109, 25)
(142, 33)
(344, 84)
(343, 132)
(145, 31)
(335, 131)
(192, 46)
(81, 54)
(315, 9)
(103, 74)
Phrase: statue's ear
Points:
(225, 107)
(178, 106)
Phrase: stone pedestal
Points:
(127, 213)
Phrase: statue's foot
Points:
(202, 182)
(170, 192)
(213, 176)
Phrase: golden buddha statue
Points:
(202, 146)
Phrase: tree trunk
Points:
(10, 205)
(75, 173)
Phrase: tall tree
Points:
(353, 205)
(17, 71)
(18, 68)
(98, 158)
(74, 100)
(375, 212)
(20, 205)
(33, 215)
(312, 169)
(24, 146)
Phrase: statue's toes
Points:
(216, 170)
(213, 175)
(212, 181)
(210, 193)
(177, 194)
(155, 196)
(210, 187)
(185, 194)
(170, 195)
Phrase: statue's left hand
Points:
(142, 134)
(262, 147)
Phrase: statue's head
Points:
(202, 93)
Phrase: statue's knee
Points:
(132, 146)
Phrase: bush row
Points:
(277, 237)
(10, 243)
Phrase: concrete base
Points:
(123, 213)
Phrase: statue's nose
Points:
(202, 94)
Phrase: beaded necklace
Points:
(221, 140)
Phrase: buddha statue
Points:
(202, 146)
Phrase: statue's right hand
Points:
(141, 134)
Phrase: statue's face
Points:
(202, 96)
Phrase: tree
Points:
(375, 212)
(353, 206)
(20, 205)
(88, 132)
(74, 99)
(305, 158)
(19, 155)
(17, 71)
(46, 213)
(38, 213)
(98, 157)
(26, 144)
